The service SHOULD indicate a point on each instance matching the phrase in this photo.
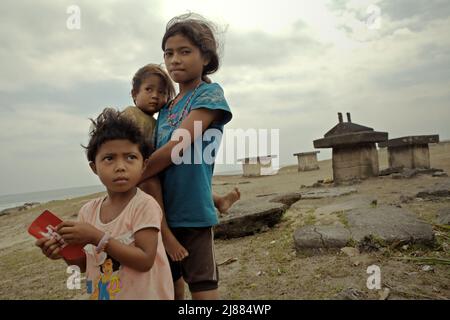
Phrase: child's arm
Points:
(161, 158)
(175, 250)
(140, 257)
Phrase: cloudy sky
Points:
(287, 64)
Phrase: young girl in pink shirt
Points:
(124, 253)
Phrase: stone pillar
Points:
(355, 162)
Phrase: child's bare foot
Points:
(173, 248)
(224, 203)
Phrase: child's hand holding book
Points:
(52, 243)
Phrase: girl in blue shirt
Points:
(190, 54)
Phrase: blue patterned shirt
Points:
(187, 189)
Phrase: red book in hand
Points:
(45, 226)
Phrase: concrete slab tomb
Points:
(386, 224)
(307, 161)
(257, 166)
(355, 155)
(409, 152)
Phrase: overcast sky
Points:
(287, 64)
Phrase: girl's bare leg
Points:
(179, 289)
(206, 295)
(173, 248)
(225, 202)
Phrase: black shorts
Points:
(199, 269)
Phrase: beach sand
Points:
(267, 265)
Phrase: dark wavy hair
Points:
(148, 70)
(115, 264)
(200, 33)
(111, 125)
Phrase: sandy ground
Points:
(266, 265)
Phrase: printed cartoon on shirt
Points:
(108, 285)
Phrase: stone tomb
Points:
(257, 166)
(307, 161)
(355, 155)
(386, 224)
(409, 152)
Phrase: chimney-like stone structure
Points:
(355, 154)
